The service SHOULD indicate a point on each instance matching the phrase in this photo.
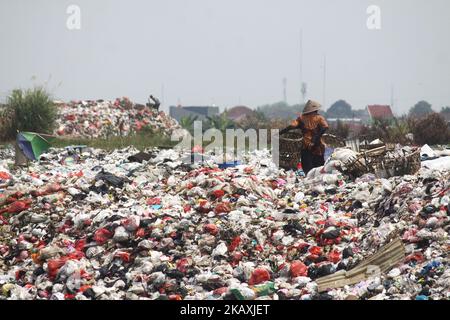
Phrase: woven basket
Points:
(290, 149)
(408, 164)
(382, 166)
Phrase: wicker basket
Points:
(376, 161)
(290, 149)
(408, 164)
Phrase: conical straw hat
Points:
(311, 106)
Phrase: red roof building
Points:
(380, 112)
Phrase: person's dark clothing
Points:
(156, 103)
(310, 160)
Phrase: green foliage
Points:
(420, 109)
(431, 130)
(388, 131)
(341, 130)
(30, 110)
(6, 123)
(445, 112)
(220, 122)
(256, 120)
(188, 123)
(140, 141)
(340, 109)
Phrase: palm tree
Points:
(221, 122)
(188, 123)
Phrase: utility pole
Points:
(324, 80)
(392, 97)
(302, 91)
(284, 90)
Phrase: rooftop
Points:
(377, 111)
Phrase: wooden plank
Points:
(387, 257)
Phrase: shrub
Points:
(30, 110)
(6, 121)
(341, 130)
(431, 130)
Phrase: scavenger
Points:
(313, 126)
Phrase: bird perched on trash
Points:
(313, 126)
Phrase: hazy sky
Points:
(229, 52)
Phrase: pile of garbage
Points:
(150, 225)
(103, 119)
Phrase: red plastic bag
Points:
(298, 269)
(259, 275)
(102, 235)
(76, 255)
(140, 233)
(84, 288)
(19, 206)
(223, 207)
(236, 241)
(334, 256)
(182, 265)
(153, 201)
(416, 257)
(79, 244)
(125, 256)
(211, 229)
(4, 175)
(314, 250)
(218, 193)
(54, 265)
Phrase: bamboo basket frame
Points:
(377, 161)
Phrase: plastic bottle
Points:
(300, 171)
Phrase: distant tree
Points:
(445, 112)
(280, 110)
(340, 109)
(431, 130)
(255, 120)
(341, 130)
(420, 109)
